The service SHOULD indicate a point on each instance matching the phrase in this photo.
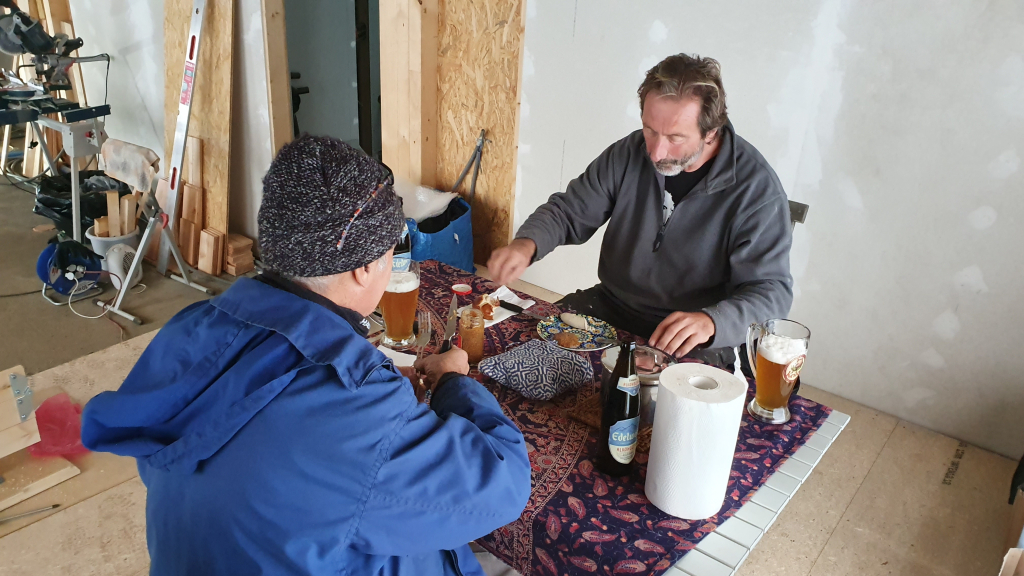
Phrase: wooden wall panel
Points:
(479, 70)
(212, 96)
(408, 86)
(279, 91)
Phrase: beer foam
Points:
(402, 282)
(779, 349)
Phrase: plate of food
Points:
(577, 332)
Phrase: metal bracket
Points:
(22, 395)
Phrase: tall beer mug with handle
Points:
(781, 348)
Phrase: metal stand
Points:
(80, 139)
(94, 291)
(151, 209)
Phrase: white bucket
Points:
(100, 245)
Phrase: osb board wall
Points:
(211, 100)
(479, 67)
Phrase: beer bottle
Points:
(403, 252)
(620, 415)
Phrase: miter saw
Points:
(23, 100)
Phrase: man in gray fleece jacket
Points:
(699, 232)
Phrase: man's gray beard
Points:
(672, 167)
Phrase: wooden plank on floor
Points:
(99, 472)
(279, 92)
(25, 476)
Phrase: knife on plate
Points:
(520, 310)
(449, 329)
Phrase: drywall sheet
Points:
(902, 127)
(252, 148)
(132, 32)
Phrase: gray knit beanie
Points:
(327, 208)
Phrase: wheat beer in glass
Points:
(398, 306)
(781, 350)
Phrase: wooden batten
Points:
(279, 91)
(408, 85)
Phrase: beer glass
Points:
(781, 350)
(398, 306)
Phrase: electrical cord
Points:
(105, 302)
(19, 294)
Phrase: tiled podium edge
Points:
(722, 552)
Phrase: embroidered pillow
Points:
(539, 370)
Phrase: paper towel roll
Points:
(694, 439)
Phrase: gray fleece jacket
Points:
(726, 245)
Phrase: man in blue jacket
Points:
(274, 439)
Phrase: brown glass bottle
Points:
(620, 415)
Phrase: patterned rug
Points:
(578, 520)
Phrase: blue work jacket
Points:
(274, 439)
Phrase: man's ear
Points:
(362, 274)
(711, 135)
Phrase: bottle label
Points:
(622, 439)
(401, 262)
(403, 252)
(630, 385)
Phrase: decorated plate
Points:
(588, 339)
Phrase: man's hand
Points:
(508, 264)
(414, 379)
(437, 365)
(681, 332)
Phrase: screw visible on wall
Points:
(12, 377)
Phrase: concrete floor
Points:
(40, 335)
(878, 503)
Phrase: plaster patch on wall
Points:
(355, 121)
(931, 357)
(658, 32)
(801, 107)
(1011, 95)
(850, 195)
(646, 64)
(524, 107)
(525, 149)
(1004, 165)
(946, 325)
(528, 69)
(516, 221)
(970, 280)
(633, 111)
(916, 395)
(531, 8)
(983, 217)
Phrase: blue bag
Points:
(447, 237)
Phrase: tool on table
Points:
(29, 513)
(520, 310)
(449, 330)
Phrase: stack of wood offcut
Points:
(122, 215)
(239, 255)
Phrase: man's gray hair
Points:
(321, 284)
(686, 76)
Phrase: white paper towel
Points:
(694, 439)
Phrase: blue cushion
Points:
(539, 370)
